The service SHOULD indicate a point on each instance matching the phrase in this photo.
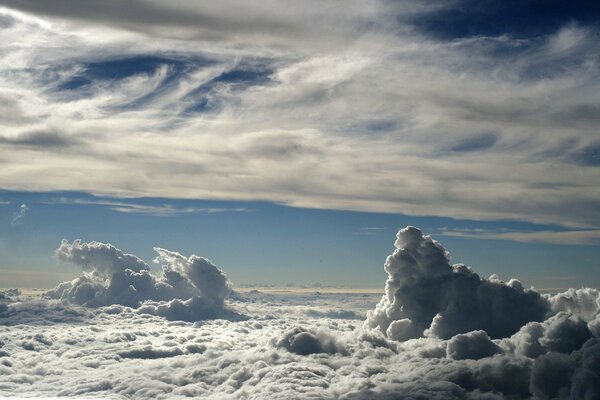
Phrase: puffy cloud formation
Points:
(473, 345)
(193, 276)
(562, 332)
(298, 344)
(9, 294)
(564, 376)
(187, 288)
(303, 342)
(99, 258)
(425, 295)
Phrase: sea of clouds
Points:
(440, 331)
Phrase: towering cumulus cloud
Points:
(186, 288)
(427, 296)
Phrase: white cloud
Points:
(187, 288)
(342, 107)
(52, 348)
(17, 218)
(427, 296)
(584, 237)
(163, 210)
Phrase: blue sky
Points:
(265, 243)
(227, 129)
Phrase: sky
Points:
(389, 199)
(288, 143)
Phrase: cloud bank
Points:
(251, 100)
(187, 288)
(454, 342)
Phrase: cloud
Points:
(575, 376)
(425, 295)
(582, 237)
(563, 332)
(100, 258)
(18, 216)
(472, 345)
(189, 289)
(194, 275)
(164, 210)
(300, 341)
(38, 139)
(271, 345)
(256, 99)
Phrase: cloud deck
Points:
(454, 343)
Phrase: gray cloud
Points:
(472, 345)
(189, 289)
(117, 351)
(303, 342)
(197, 341)
(155, 210)
(340, 94)
(425, 295)
(101, 258)
(581, 237)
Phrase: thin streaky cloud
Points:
(19, 215)
(577, 237)
(379, 114)
(163, 210)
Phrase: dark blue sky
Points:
(453, 19)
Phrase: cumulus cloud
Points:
(473, 345)
(194, 276)
(100, 258)
(289, 344)
(304, 342)
(564, 376)
(187, 288)
(426, 295)
(563, 332)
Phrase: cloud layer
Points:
(298, 344)
(378, 103)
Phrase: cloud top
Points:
(191, 288)
(427, 296)
(440, 331)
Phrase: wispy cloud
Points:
(17, 218)
(580, 237)
(272, 103)
(162, 210)
(369, 230)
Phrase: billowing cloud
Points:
(194, 288)
(426, 295)
(304, 342)
(204, 343)
(99, 258)
(472, 345)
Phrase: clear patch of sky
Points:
(467, 18)
(266, 243)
